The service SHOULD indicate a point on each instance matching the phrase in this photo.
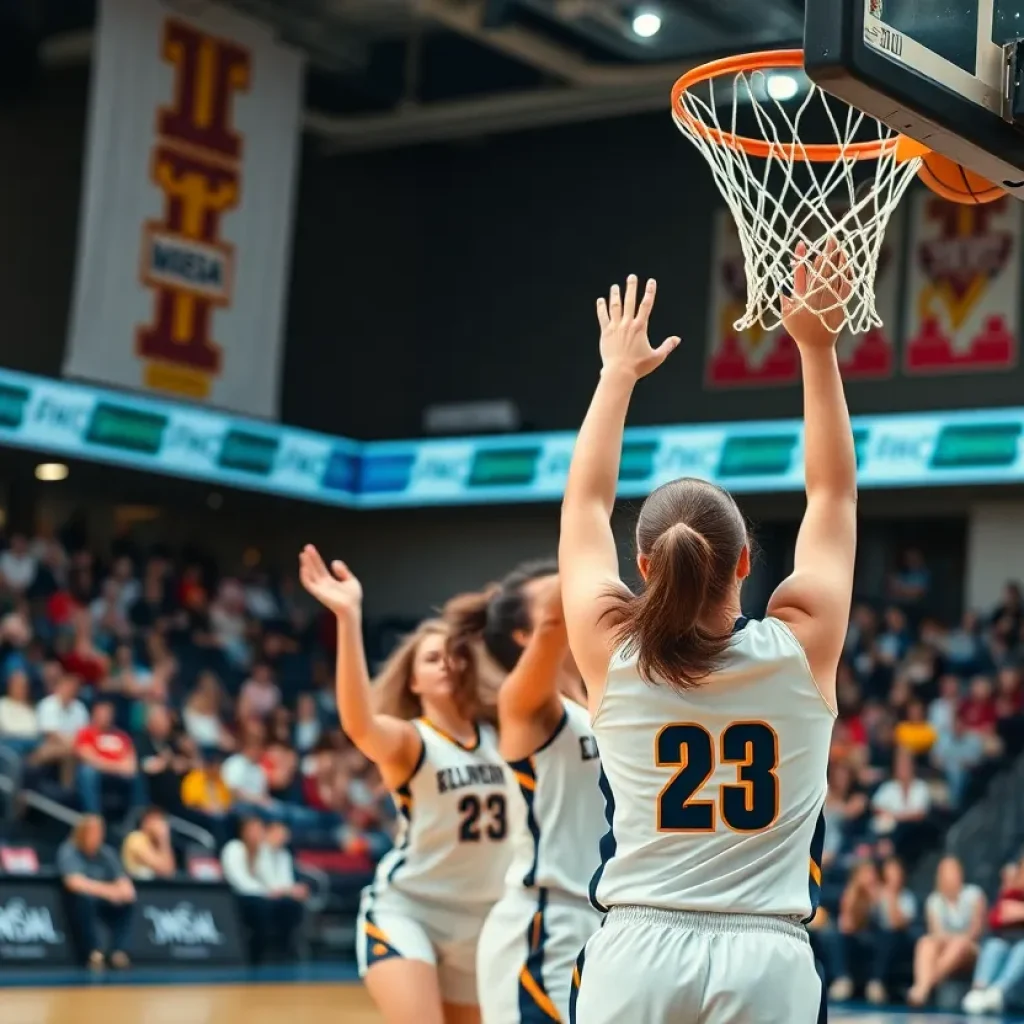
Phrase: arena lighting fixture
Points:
(782, 87)
(647, 24)
(51, 472)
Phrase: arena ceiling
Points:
(387, 73)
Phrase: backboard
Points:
(935, 70)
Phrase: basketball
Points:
(954, 182)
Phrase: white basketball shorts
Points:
(392, 924)
(674, 967)
(526, 956)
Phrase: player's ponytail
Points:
(690, 535)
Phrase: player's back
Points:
(715, 794)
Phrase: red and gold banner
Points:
(963, 286)
(183, 263)
(754, 357)
(760, 358)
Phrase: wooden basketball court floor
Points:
(261, 1003)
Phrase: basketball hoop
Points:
(782, 190)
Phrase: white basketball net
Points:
(776, 206)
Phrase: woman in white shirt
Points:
(955, 915)
(201, 715)
(18, 720)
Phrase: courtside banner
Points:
(187, 208)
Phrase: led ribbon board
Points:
(903, 450)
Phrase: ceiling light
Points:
(51, 472)
(782, 87)
(647, 24)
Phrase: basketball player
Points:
(714, 729)
(535, 931)
(420, 920)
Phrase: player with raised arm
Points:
(420, 723)
(534, 932)
(714, 729)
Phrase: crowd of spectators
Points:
(928, 712)
(141, 680)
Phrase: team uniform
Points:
(712, 861)
(535, 932)
(431, 893)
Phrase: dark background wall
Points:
(443, 273)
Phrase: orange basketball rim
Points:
(902, 147)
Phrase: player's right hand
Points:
(337, 590)
(816, 312)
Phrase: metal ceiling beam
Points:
(468, 18)
(492, 115)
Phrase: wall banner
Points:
(740, 358)
(187, 208)
(963, 285)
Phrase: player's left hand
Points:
(624, 344)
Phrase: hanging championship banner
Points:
(871, 355)
(740, 358)
(187, 208)
(963, 279)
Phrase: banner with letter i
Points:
(187, 207)
(963, 286)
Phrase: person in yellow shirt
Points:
(205, 795)
(915, 733)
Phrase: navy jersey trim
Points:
(525, 772)
(451, 739)
(535, 1004)
(402, 798)
(574, 986)
(740, 624)
(814, 866)
(608, 842)
(562, 723)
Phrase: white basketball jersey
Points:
(452, 844)
(714, 796)
(557, 826)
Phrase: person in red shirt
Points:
(1000, 966)
(978, 712)
(106, 760)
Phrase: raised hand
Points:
(624, 344)
(816, 312)
(337, 590)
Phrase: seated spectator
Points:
(963, 647)
(942, 712)
(977, 711)
(206, 797)
(228, 623)
(1000, 964)
(955, 917)
(107, 759)
(83, 657)
(61, 717)
(147, 852)
(900, 805)
(260, 695)
(909, 586)
(18, 566)
(281, 761)
(956, 754)
(915, 733)
(308, 727)
(19, 725)
(165, 756)
(269, 900)
(246, 778)
(202, 714)
(846, 805)
(99, 891)
(877, 913)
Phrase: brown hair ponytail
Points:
(691, 534)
